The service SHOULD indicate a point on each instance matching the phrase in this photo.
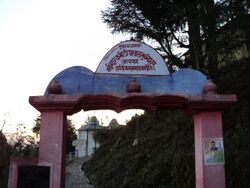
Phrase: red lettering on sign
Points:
(138, 54)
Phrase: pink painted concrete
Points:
(13, 170)
(54, 108)
(207, 125)
(52, 146)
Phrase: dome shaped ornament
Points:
(55, 88)
(133, 86)
(209, 88)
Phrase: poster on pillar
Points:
(213, 151)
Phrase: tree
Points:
(113, 124)
(202, 27)
(4, 146)
(236, 124)
(161, 157)
(5, 153)
(215, 36)
(70, 136)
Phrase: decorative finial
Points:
(209, 88)
(133, 86)
(54, 88)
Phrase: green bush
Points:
(153, 150)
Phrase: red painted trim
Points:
(71, 104)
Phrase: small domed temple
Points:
(85, 145)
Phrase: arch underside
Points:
(71, 104)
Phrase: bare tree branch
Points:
(4, 122)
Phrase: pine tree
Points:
(71, 132)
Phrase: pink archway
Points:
(77, 88)
(206, 111)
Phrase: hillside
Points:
(153, 150)
(156, 150)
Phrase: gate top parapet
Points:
(78, 88)
(129, 63)
(76, 80)
(131, 75)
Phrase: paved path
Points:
(75, 177)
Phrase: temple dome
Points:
(92, 124)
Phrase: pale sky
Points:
(39, 39)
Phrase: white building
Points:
(85, 144)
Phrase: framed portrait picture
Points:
(213, 151)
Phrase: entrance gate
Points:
(132, 75)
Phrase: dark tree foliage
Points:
(235, 79)
(36, 127)
(5, 149)
(153, 150)
(5, 152)
(208, 29)
(70, 135)
(159, 151)
(24, 146)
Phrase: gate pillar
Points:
(209, 158)
(52, 146)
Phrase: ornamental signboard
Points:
(132, 58)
